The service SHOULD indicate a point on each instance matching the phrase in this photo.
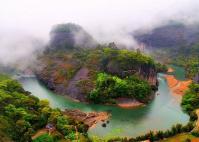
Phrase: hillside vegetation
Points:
(174, 43)
(109, 87)
(22, 115)
(61, 68)
(186, 57)
(190, 101)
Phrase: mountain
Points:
(76, 70)
(174, 43)
(170, 35)
(70, 35)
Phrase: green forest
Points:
(190, 101)
(128, 73)
(185, 56)
(22, 115)
(109, 87)
(112, 72)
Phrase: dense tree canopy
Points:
(22, 114)
(185, 56)
(117, 61)
(190, 100)
(61, 66)
(109, 87)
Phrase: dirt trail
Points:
(39, 133)
(72, 88)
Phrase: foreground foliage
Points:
(152, 136)
(190, 100)
(184, 137)
(22, 114)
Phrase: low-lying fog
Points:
(25, 25)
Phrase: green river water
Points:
(160, 114)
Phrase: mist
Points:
(25, 25)
(19, 50)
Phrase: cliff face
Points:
(150, 75)
(59, 68)
(127, 64)
(144, 72)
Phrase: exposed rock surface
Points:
(145, 73)
(71, 89)
(90, 118)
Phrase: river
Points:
(163, 112)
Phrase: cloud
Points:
(19, 50)
(105, 20)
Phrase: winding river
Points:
(160, 114)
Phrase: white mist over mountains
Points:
(25, 25)
(19, 49)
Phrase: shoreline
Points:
(128, 103)
(176, 86)
(170, 70)
(125, 103)
(88, 118)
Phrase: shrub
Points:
(109, 87)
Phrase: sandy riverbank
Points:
(170, 70)
(128, 103)
(177, 86)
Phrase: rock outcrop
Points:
(90, 118)
(70, 89)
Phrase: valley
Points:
(164, 108)
(99, 71)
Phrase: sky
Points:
(105, 20)
(38, 16)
